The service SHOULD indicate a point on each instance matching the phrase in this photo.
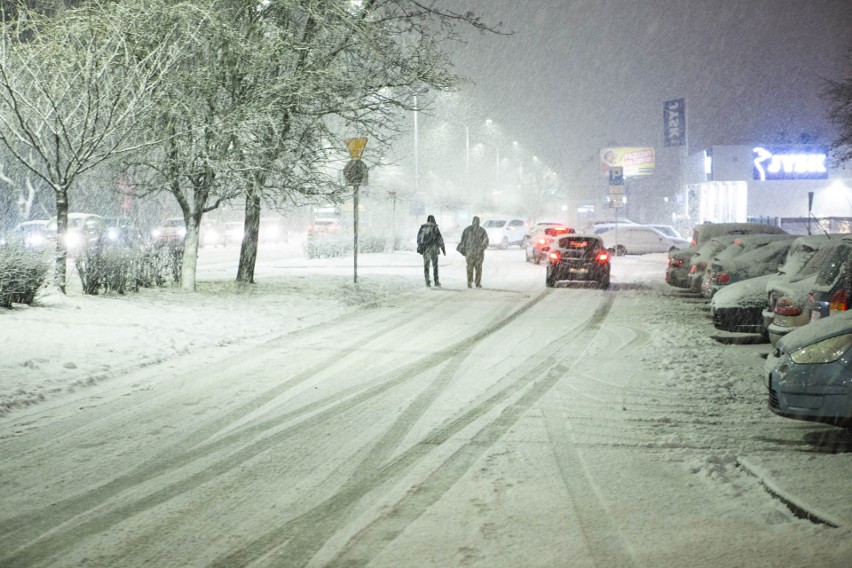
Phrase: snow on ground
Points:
(66, 343)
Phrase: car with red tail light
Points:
(832, 292)
(680, 261)
(577, 258)
(788, 301)
(540, 239)
(748, 256)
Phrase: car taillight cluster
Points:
(603, 257)
(787, 307)
(839, 301)
(554, 256)
(723, 278)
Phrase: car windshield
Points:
(493, 224)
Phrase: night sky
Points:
(579, 75)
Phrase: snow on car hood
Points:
(836, 324)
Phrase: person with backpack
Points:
(474, 241)
(429, 243)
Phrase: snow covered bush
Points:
(120, 269)
(22, 272)
(109, 269)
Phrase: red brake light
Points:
(786, 307)
(723, 278)
(603, 257)
(838, 302)
(554, 256)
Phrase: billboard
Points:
(674, 122)
(636, 160)
(790, 162)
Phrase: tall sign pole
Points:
(355, 173)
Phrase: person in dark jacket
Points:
(429, 243)
(474, 241)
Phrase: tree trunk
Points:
(190, 255)
(251, 229)
(60, 272)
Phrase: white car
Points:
(506, 232)
(639, 239)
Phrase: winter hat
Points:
(430, 219)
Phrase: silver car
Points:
(809, 373)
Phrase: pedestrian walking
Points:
(474, 241)
(429, 243)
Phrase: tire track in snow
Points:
(29, 525)
(38, 536)
(535, 383)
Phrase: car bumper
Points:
(677, 280)
(798, 392)
(579, 274)
(742, 320)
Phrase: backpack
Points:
(427, 235)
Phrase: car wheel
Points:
(504, 244)
(524, 243)
(604, 283)
(537, 258)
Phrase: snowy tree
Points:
(74, 85)
(839, 95)
(261, 108)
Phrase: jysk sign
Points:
(674, 122)
(790, 162)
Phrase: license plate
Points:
(578, 270)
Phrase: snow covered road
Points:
(504, 427)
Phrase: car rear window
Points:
(578, 247)
(831, 267)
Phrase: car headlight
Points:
(825, 351)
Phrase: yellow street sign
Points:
(356, 147)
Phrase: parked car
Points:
(84, 230)
(34, 234)
(742, 306)
(506, 232)
(322, 227)
(808, 375)
(272, 230)
(680, 261)
(541, 237)
(832, 290)
(746, 257)
(787, 300)
(667, 230)
(639, 239)
(578, 258)
(170, 233)
(122, 232)
(739, 307)
(701, 259)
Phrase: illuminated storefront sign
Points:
(790, 162)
